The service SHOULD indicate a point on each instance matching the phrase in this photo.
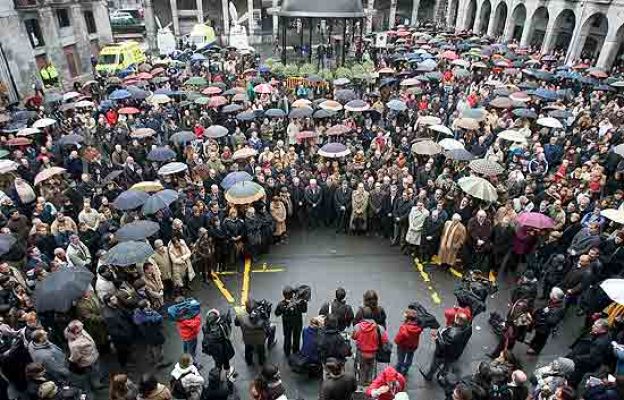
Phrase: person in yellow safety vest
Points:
(49, 74)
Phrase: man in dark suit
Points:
(400, 212)
(386, 211)
(342, 205)
(297, 194)
(313, 197)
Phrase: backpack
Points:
(177, 389)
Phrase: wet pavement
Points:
(325, 260)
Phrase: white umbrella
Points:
(619, 149)
(461, 63)
(513, 136)
(614, 288)
(614, 215)
(159, 99)
(70, 95)
(550, 122)
(442, 129)
(43, 123)
(83, 103)
(450, 144)
(479, 188)
(428, 120)
(172, 168)
(7, 166)
(28, 131)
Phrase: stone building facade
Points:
(65, 32)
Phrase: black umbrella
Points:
(128, 253)
(161, 154)
(137, 230)
(58, 290)
(130, 199)
(112, 176)
(7, 241)
(71, 139)
(182, 137)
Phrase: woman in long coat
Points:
(180, 261)
(453, 238)
(278, 212)
(417, 217)
(359, 205)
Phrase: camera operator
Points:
(253, 328)
(291, 309)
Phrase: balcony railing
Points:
(21, 4)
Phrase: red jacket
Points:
(188, 329)
(408, 336)
(365, 336)
(391, 378)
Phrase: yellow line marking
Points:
(226, 293)
(268, 270)
(246, 281)
(435, 297)
(456, 273)
(227, 273)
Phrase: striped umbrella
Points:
(486, 167)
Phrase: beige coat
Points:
(359, 204)
(163, 262)
(278, 212)
(181, 263)
(82, 349)
(453, 238)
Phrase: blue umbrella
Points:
(182, 137)
(319, 114)
(130, 199)
(106, 105)
(161, 154)
(559, 114)
(165, 91)
(234, 177)
(345, 95)
(128, 253)
(71, 139)
(198, 57)
(59, 290)
(459, 155)
(231, 108)
(524, 113)
(24, 115)
(246, 116)
(589, 80)
(14, 126)
(302, 112)
(159, 201)
(119, 94)
(52, 98)
(137, 230)
(137, 93)
(396, 105)
(548, 95)
(7, 241)
(275, 113)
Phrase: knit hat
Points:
(563, 365)
(47, 390)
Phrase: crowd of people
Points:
(471, 156)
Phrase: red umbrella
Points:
(263, 88)
(598, 73)
(129, 110)
(338, 130)
(157, 71)
(217, 101)
(18, 141)
(581, 66)
(306, 135)
(144, 76)
(210, 90)
(449, 55)
(535, 220)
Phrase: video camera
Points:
(261, 310)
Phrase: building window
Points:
(34, 32)
(90, 22)
(63, 17)
(73, 60)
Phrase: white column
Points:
(250, 7)
(526, 35)
(607, 54)
(477, 21)
(492, 24)
(150, 25)
(200, 11)
(460, 20)
(83, 44)
(226, 18)
(392, 16)
(102, 22)
(415, 7)
(275, 4)
(370, 9)
(576, 46)
(174, 17)
(509, 27)
(549, 37)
